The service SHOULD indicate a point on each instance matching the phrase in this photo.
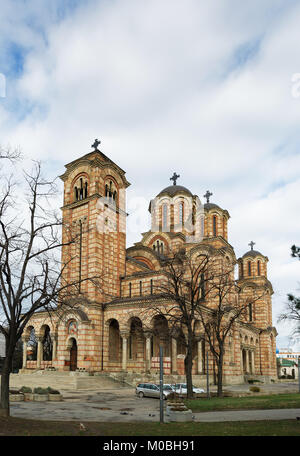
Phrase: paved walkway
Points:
(123, 405)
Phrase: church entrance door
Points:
(73, 356)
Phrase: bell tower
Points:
(94, 210)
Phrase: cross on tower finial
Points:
(174, 178)
(207, 195)
(251, 244)
(96, 144)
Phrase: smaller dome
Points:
(172, 190)
(252, 253)
(209, 206)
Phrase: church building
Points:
(113, 329)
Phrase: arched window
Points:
(165, 216)
(159, 247)
(181, 212)
(151, 286)
(130, 289)
(250, 308)
(249, 268)
(242, 270)
(214, 225)
(224, 226)
(258, 267)
(80, 189)
(110, 191)
(141, 288)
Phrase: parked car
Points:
(181, 388)
(152, 390)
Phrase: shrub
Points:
(40, 390)
(14, 392)
(254, 389)
(52, 391)
(26, 389)
(251, 381)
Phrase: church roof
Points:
(252, 253)
(209, 206)
(172, 190)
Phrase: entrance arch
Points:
(73, 355)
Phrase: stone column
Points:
(199, 368)
(247, 362)
(174, 356)
(54, 347)
(39, 356)
(242, 362)
(148, 352)
(124, 351)
(24, 340)
(253, 362)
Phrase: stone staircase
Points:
(64, 381)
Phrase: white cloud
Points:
(156, 82)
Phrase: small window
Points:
(214, 225)
(250, 312)
(165, 217)
(249, 268)
(151, 286)
(130, 289)
(181, 212)
(80, 189)
(258, 268)
(141, 287)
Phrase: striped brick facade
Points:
(111, 328)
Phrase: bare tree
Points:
(10, 153)
(32, 277)
(201, 288)
(292, 306)
(181, 290)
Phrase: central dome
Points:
(172, 190)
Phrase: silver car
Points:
(181, 388)
(152, 390)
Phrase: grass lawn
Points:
(245, 403)
(22, 427)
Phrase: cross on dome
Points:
(174, 178)
(251, 244)
(96, 144)
(207, 195)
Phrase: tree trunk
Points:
(6, 370)
(4, 401)
(220, 375)
(188, 364)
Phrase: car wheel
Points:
(141, 394)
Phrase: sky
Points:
(210, 90)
